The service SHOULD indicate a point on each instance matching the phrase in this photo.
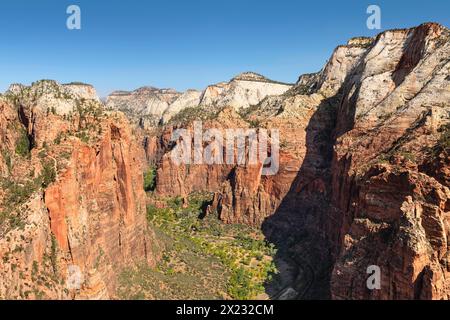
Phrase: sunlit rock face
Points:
(150, 106)
(363, 178)
(364, 166)
(72, 198)
(242, 91)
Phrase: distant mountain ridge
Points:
(150, 105)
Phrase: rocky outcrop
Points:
(393, 214)
(363, 176)
(82, 90)
(52, 97)
(150, 106)
(188, 99)
(367, 142)
(182, 179)
(97, 206)
(73, 206)
(242, 91)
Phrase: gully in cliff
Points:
(253, 147)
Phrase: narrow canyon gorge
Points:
(364, 167)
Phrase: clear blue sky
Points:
(186, 44)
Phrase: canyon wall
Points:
(73, 204)
(392, 123)
(363, 176)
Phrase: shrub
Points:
(23, 144)
(7, 158)
(17, 194)
(58, 138)
(150, 179)
(240, 284)
(48, 174)
(53, 254)
(83, 136)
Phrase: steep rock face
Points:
(98, 205)
(395, 112)
(305, 117)
(73, 206)
(150, 106)
(145, 100)
(8, 138)
(190, 98)
(242, 91)
(182, 179)
(147, 105)
(52, 97)
(82, 90)
(249, 197)
(382, 100)
(401, 226)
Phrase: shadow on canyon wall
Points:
(305, 228)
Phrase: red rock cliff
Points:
(74, 203)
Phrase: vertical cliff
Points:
(363, 176)
(73, 203)
(393, 208)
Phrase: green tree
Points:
(150, 179)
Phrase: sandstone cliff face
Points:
(73, 206)
(180, 180)
(97, 206)
(52, 97)
(363, 174)
(363, 178)
(242, 91)
(150, 106)
(393, 213)
(82, 90)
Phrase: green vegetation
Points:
(240, 284)
(194, 113)
(7, 159)
(83, 136)
(239, 250)
(23, 144)
(444, 140)
(15, 195)
(58, 138)
(407, 155)
(18, 193)
(53, 255)
(48, 175)
(150, 179)
(76, 83)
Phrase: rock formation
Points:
(363, 176)
(242, 91)
(392, 123)
(149, 106)
(72, 202)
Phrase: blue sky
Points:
(186, 44)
